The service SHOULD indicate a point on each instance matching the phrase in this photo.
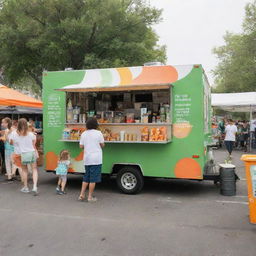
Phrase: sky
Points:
(192, 28)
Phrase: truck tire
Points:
(129, 180)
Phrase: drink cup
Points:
(122, 133)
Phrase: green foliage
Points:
(236, 71)
(27, 85)
(55, 34)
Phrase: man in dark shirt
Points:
(221, 126)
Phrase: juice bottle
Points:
(69, 112)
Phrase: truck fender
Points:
(117, 166)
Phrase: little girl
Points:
(62, 170)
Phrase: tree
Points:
(55, 34)
(236, 71)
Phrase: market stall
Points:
(11, 97)
(15, 105)
(235, 102)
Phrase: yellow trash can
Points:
(250, 169)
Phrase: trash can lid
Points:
(227, 165)
(248, 158)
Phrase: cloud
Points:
(192, 28)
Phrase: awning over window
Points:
(129, 78)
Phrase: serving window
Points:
(136, 116)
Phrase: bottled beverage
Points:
(69, 112)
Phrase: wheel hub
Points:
(129, 181)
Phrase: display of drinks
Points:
(76, 113)
(167, 113)
(91, 113)
(69, 112)
(66, 134)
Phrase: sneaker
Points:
(35, 192)
(92, 200)
(57, 189)
(60, 192)
(24, 190)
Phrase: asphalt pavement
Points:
(168, 218)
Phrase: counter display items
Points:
(120, 116)
(164, 110)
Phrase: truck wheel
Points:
(129, 180)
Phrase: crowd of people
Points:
(235, 134)
(19, 152)
(18, 149)
(242, 133)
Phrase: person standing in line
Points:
(239, 135)
(26, 142)
(32, 129)
(253, 132)
(9, 149)
(16, 154)
(221, 129)
(230, 137)
(2, 165)
(245, 135)
(92, 141)
(221, 126)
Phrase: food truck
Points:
(156, 120)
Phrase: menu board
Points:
(54, 112)
(182, 105)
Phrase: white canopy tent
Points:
(235, 102)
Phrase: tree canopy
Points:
(37, 35)
(236, 71)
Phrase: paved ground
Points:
(168, 218)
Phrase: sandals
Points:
(81, 198)
(92, 200)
